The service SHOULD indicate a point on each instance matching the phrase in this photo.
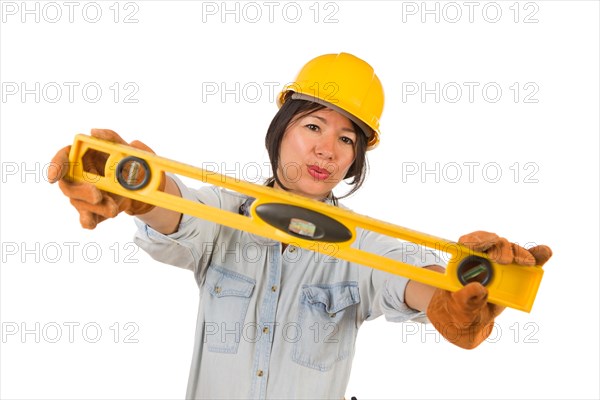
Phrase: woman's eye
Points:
(312, 127)
(347, 140)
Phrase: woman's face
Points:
(316, 152)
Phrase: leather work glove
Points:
(464, 317)
(93, 204)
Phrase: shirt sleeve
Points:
(385, 291)
(190, 247)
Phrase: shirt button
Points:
(273, 288)
(217, 289)
(266, 329)
(332, 315)
(292, 249)
(259, 372)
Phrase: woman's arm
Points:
(161, 219)
(418, 295)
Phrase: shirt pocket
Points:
(225, 303)
(327, 324)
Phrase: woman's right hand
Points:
(94, 205)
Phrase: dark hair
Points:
(292, 110)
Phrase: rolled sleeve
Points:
(386, 291)
(188, 246)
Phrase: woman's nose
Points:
(325, 146)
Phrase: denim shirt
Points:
(273, 324)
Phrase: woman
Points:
(275, 320)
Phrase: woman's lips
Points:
(318, 173)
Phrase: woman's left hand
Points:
(465, 318)
(502, 251)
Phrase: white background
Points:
(169, 54)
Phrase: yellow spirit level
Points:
(307, 223)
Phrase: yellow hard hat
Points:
(345, 83)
